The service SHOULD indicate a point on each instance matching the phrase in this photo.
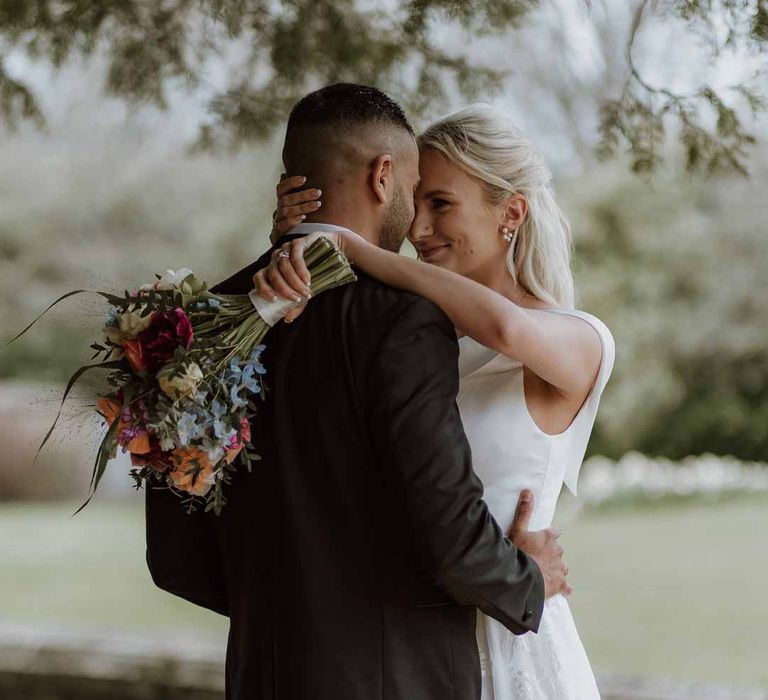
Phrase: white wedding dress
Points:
(510, 452)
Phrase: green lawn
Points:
(677, 591)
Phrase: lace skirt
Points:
(548, 665)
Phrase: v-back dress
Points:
(510, 452)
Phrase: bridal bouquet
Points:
(185, 370)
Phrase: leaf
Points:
(112, 364)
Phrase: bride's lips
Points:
(432, 252)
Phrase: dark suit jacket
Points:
(351, 559)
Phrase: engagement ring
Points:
(285, 254)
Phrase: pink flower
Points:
(166, 331)
(236, 444)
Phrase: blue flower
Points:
(235, 399)
(248, 381)
(255, 359)
(218, 409)
(188, 428)
(206, 304)
(234, 366)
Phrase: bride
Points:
(494, 253)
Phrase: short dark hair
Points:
(347, 105)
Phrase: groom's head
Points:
(356, 145)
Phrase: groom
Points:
(351, 559)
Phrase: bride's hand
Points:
(287, 275)
(292, 207)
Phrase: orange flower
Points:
(230, 453)
(135, 354)
(109, 407)
(191, 468)
(139, 445)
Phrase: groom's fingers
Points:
(522, 513)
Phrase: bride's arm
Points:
(562, 351)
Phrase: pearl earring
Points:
(507, 235)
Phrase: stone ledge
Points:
(39, 662)
(55, 663)
(618, 687)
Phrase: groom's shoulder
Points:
(381, 303)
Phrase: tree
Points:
(278, 51)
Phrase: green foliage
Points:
(276, 52)
(296, 45)
(709, 127)
(723, 408)
(676, 272)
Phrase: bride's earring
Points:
(507, 235)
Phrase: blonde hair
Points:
(484, 143)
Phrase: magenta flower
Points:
(167, 331)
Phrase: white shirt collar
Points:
(307, 228)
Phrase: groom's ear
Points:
(382, 177)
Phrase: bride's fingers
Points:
(301, 197)
(263, 287)
(282, 226)
(293, 314)
(286, 266)
(278, 283)
(297, 258)
(290, 212)
(289, 183)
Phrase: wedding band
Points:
(285, 254)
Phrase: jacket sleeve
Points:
(183, 555)
(182, 551)
(420, 442)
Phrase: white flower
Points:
(169, 280)
(113, 334)
(181, 385)
(131, 323)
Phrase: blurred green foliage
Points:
(274, 52)
(676, 269)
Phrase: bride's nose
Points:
(420, 228)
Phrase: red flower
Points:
(166, 331)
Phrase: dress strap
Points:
(588, 411)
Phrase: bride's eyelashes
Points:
(439, 203)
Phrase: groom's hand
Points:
(541, 546)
